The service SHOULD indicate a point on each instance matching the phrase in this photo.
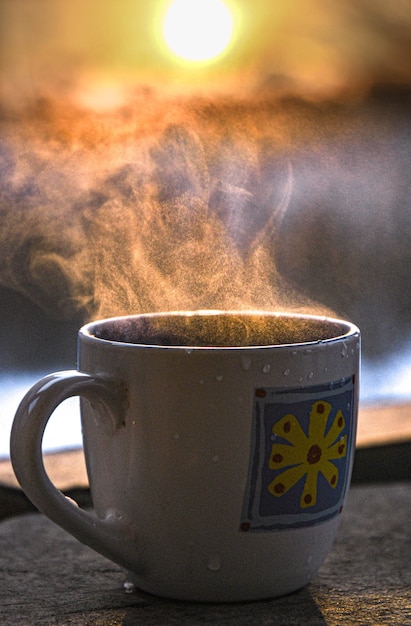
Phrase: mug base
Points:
(218, 595)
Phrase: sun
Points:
(198, 30)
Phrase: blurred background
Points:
(267, 168)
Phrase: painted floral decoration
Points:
(307, 456)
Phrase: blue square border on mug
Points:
(302, 441)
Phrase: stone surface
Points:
(48, 578)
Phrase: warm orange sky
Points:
(318, 44)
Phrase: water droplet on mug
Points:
(294, 353)
(220, 378)
(311, 375)
(246, 362)
(188, 351)
(214, 563)
(286, 372)
(128, 586)
(307, 351)
(266, 368)
(112, 515)
(344, 350)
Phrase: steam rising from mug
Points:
(168, 210)
(174, 203)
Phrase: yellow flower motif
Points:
(307, 456)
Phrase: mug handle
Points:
(110, 400)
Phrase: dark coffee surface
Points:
(217, 330)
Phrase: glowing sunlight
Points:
(198, 30)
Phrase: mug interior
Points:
(218, 329)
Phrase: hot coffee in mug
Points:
(219, 447)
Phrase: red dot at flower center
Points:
(314, 454)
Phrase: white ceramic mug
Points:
(219, 447)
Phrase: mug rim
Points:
(348, 329)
